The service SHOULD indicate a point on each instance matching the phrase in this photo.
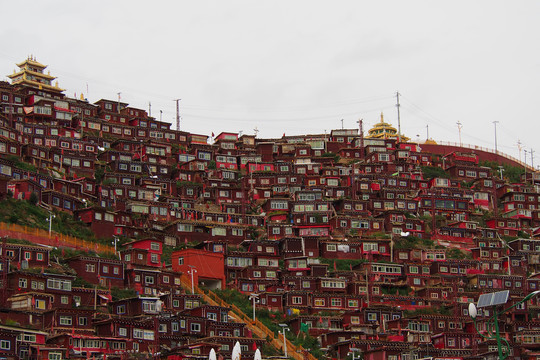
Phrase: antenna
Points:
(256, 131)
(177, 114)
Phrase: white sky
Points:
(297, 67)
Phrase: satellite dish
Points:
(405, 234)
(212, 355)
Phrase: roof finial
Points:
(382, 117)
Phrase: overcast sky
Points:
(297, 67)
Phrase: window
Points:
(65, 320)
(5, 344)
(38, 285)
(195, 327)
(64, 300)
(23, 283)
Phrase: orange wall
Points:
(209, 265)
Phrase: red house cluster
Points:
(370, 244)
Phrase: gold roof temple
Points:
(383, 130)
(31, 74)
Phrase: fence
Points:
(484, 149)
(256, 327)
(41, 237)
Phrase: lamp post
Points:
(495, 123)
(115, 240)
(254, 297)
(285, 328)
(352, 351)
(51, 216)
(493, 300)
(191, 272)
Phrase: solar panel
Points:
(484, 300)
(493, 299)
(500, 297)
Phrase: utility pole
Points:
(177, 114)
(427, 132)
(149, 108)
(459, 126)
(519, 149)
(525, 151)
(361, 129)
(398, 118)
(118, 105)
(341, 124)
(495, 123)
(532, 158)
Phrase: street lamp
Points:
(115, 240)
(494, 300)
(51, 216)
(255, 298)
(285, 328)
(352, 351)
(191, 272)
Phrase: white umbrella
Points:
(236, 351)
(258, 355)
(212, 355)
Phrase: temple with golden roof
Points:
(31, 74)
(383, 130)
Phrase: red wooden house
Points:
(154, 247)
(203, 266)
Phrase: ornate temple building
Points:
(31, 75)
(383, 130)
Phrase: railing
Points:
(488, 150)
(39, 236)
(256, 327)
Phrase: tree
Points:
(33, 199)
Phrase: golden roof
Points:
(383, 130)
(31, 60)
(26, 75)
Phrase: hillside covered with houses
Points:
(369, 243)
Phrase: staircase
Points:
(256, 327)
